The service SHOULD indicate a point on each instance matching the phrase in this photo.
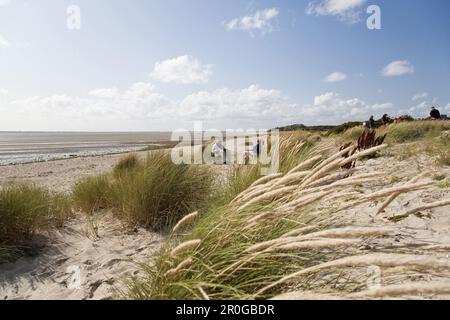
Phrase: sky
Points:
(160, 65)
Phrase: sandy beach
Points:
(60, 175)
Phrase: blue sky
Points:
(160, 65)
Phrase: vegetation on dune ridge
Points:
(281, 234)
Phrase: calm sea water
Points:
(24, 147)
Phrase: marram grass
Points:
(27, 210)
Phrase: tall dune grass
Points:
(126, 164)
(27, 210)
(159, 193)
(92, 194)
(154, 193)
(274, 238)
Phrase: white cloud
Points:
(398, 68)
(3, 42)
(253, 102)
(182, 70)
(261, 21)
(331, 108)
(420, 96)
(335, 77)
(345, 10)
(138, 101)
(3, 92)
(104, 93)
(447, 107)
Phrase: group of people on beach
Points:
(223, 155)
(386, 120)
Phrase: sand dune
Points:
(77, 265)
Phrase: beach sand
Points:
(76, 265)
(60, 175)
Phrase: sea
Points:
(26, 147)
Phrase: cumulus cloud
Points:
(3, 42)
(253, 106)
(261, 21)
(398, 68)
(182, 70)
(138, 101)
(253, 102)
(420, 96)
(447, 107)
(348, 11)
(261, 104)
(335, 77)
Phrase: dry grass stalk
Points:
(378, 259)
(305, 164)
(333, 177)
(185, 246)
(288, 179)
(326, 163)
(268, 244)
(302, 202)
(346, 195)
(261, 189)
(388, 192)
(296, 148)
(397, 194)
(299, 231)
(203, 293)
(304, 295)
(415, 289)
(424, 207)
(185, 221)
(261, 217)
(172, 273)
(316, 244)
(350, 232)
(266, 179)
(362, 154)
(268, 196)
(343, 233)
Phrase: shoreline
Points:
(60, 175)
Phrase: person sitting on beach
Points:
(220, 153)
(217, 151)
(435, 114)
